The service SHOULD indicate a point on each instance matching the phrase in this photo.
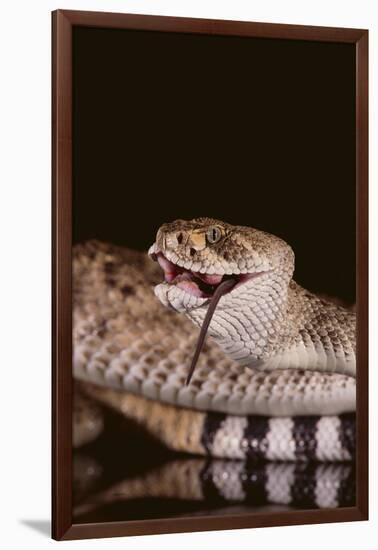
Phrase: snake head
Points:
(197, 256)
(214, 272)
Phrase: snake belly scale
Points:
(276, 377)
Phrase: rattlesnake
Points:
(221, 482)
(276, 377)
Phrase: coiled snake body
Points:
(276, 378)
(227, 482)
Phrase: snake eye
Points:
(213, 234)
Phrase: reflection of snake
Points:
(231, 482)
(301, 348)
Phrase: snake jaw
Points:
(190, 287)
(195, 283)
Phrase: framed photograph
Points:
(210, 365)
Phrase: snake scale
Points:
(224, 482)
(275, 378)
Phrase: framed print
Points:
(210, 273)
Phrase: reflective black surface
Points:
(125, 475)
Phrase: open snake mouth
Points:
(201, 285)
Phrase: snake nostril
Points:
(192, 252)
(180, 238)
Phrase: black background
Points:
(256, 132)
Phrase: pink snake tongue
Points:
(224, 287)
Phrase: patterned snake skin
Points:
(274, 381)
(226, 482)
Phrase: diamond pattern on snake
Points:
(208, 344)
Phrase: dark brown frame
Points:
(62, 23)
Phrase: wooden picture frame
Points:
(63, 23)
